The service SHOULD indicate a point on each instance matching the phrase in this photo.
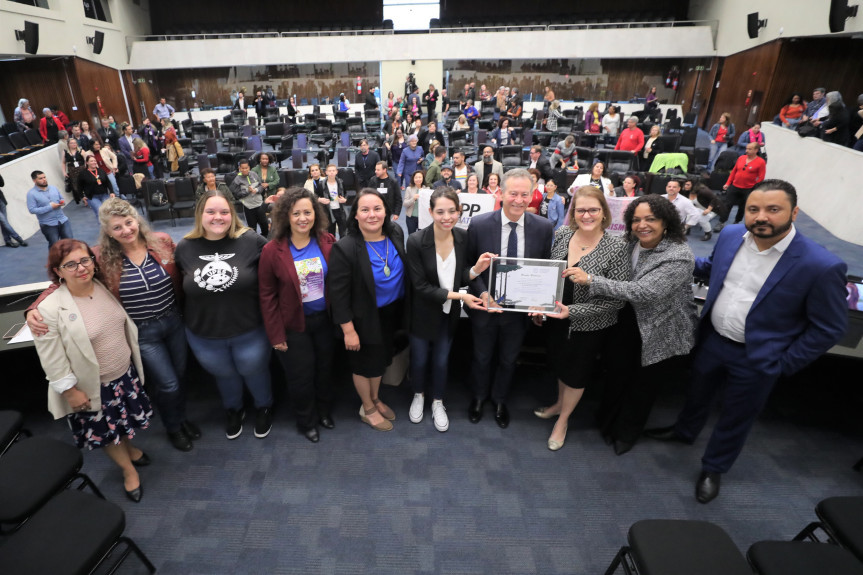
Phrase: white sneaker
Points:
(416, 410)
(441, 421)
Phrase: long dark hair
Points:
(354, 225)
(283, 207)
(662, 209)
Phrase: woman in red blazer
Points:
(292, 282)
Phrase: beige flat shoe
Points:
(544, 413)
(556, 445)
(382, 426)
(385, 410)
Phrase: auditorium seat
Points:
(11, 428)
(841, 519)
(679, 547)
(797, 558)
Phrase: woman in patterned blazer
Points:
(660, 318)
(582, 325)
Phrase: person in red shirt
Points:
(536, 199)
(631, 138)
(749, 170)
(49, 126)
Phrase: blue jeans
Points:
(234, 361)
(96, 201)
(113, 179)
(56, 233)
(9, 232)
(435, 351)
(715, 150)
(163, 353)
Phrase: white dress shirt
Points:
(689, 214)
(446, 275)
(746, 276)
(504, 235)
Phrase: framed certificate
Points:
(525, 284)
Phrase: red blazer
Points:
(279, 287)
(43, 127)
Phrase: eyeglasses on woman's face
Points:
(73, 266)
(591, 211)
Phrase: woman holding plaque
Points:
(660, 316)
(582, 324)
(368, 283)
(436, 258)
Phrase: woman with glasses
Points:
(91, 359)
(138, 268)
(581, 325)
(659, 318)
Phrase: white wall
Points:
(683, 42)
(394, 73)
(63, 29)
(833, 202)
(16, 176)
(785, 19)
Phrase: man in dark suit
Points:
(510, 232)
(364, 165)
(776, 303)
(540, 162)
(388, 188)
(261, 103)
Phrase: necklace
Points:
(588, 246)
(383, 259)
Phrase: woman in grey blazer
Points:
(660, 319)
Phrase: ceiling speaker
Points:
(30, 35)
(839, 12)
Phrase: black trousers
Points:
(431, 111)
(308, 365)
(501, 332)
(735, 197)
(257, 217)
(340, 221)
(631, 389)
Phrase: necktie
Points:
(512, 242)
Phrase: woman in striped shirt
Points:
(139, 269)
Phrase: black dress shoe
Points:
(501, 416)
(312, 435)
(180, 440)
(142, 461)
(23, 243)
(621, 447)
(136, 494)
(707, 487)
(607, 438)
(666, 434)
(474, 412)
(327, 422)
(191, 430)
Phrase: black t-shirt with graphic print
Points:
(220, 282)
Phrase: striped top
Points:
(146, 291)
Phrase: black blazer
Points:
(658, 147)
(544, 167)
(352, 285)
(428, 296)
(484, 235)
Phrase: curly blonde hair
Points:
(111, 252)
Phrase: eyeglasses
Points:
(73, 266)
(591, 211)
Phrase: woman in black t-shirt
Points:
(224, 327)
(94, 185)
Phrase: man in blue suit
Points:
(513, 232)
(776, 303)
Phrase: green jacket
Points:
(433, 173)
(272, 180)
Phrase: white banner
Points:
(617, 206)
(472, 205)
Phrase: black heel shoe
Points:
(136, 494)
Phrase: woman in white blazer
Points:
(92, 362)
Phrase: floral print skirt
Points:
(125, 408)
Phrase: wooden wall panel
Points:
(749, 70)
(43, 81)
(141, 88)
(807, 63)
(696, 85)
(98, 80)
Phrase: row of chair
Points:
(15, 144)
(51, 527)
(681, 547)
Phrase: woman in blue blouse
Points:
(368, 281)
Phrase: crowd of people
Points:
(307, 275)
